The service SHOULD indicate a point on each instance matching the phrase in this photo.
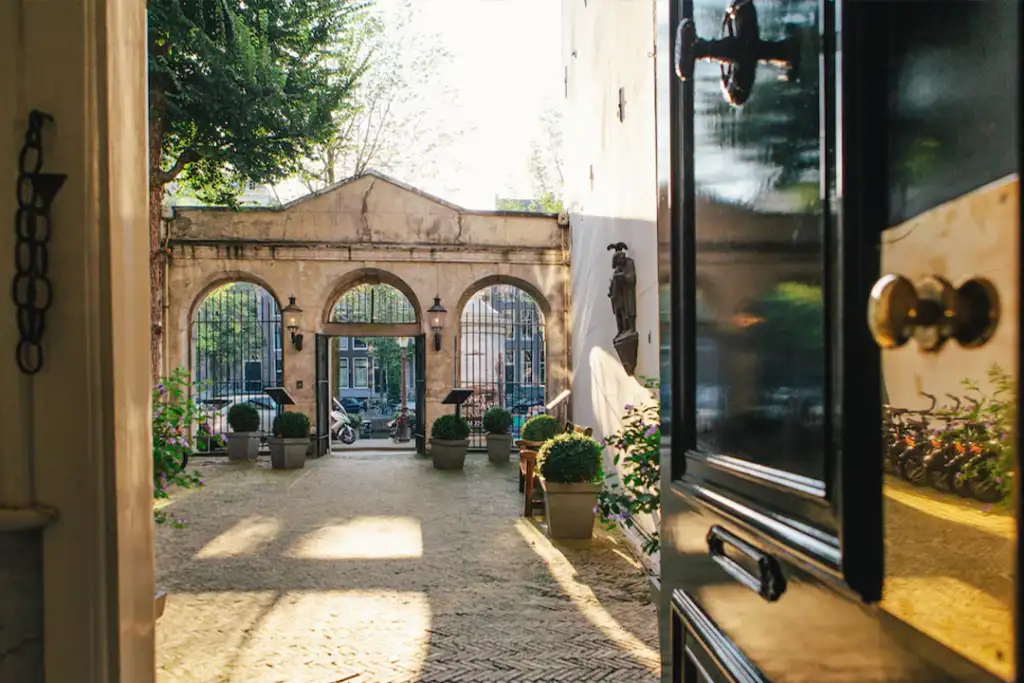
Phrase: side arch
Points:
(224, 278)
(528, 287)
(502, 350)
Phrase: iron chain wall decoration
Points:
(32, 290)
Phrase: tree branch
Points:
(162, 177)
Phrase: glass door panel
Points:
(759, 216)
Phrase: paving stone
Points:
(376, 568)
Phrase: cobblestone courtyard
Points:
(375, 568)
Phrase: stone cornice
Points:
(187, 249)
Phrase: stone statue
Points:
(622, 293)
(622, 290)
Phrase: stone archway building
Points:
(368, 229)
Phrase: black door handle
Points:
(771, 583)
(738, 50)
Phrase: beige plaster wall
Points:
(76, 529)
(369, 229)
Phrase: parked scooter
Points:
(341, 425)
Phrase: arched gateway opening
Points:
(502, 356)
(370, 365)
(236, 354)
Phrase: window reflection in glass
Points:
(759, 225)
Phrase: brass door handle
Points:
(932, 311)
(739, 50)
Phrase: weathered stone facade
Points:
(366, 230)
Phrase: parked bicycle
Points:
(960, 455)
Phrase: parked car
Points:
(217, 410)
(353, 404)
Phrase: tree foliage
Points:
(231, 328)
(387, 127)
(545, 167)
(244, 90)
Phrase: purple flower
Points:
(650, 431)
(596, 508)
(623, 515)
(628, 406)
(161, 388)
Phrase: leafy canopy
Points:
(244, 90)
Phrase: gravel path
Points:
(375, 568)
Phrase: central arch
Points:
(369, 352)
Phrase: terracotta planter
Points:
(569, 509)
(499, 448)
(243, 445)
(288, 454)
(448, 455)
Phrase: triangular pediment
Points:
(361, 186)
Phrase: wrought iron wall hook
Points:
(31, 290)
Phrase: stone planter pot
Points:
(243, 445)
(288, 454)
(499, 448)
(569, 509)
(448, 455)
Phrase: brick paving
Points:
(375, 568)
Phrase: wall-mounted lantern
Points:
(291, 318)
(436, 316)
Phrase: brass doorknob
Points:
(932, 311)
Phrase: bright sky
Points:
(507, 67)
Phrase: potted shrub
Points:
(244, 437)
(537, 430)
(449, 441)
(570, 473)
(290, 441)
(497, 422)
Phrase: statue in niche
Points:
(622, 293)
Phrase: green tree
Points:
(545, 166)
(389, 127)
(239, 91)
(229, 329)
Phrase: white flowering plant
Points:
(637, 457)
(174, 414)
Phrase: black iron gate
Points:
(420, 368)
(502, 357)
(323, 395)
(236, 354)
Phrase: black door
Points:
(822, 163)
(421, 394)
(323, 395)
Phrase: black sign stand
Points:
(456, 397)
(280, 396)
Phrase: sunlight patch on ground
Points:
(374, 634)
(304, 636)
(936, 605)
(583, 597)
(245, 538)
(190, 654)
(363, 538)
(987, 518)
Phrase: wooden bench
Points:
(528, 481)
